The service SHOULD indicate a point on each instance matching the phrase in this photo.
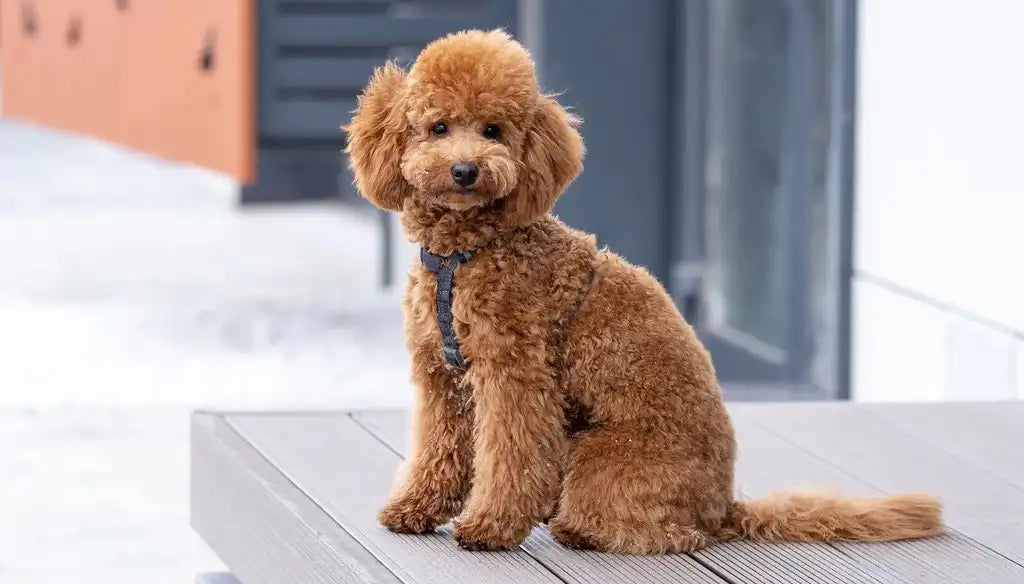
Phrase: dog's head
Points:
(466, 127)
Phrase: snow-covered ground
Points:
(131, 291)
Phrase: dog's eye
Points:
(439, 129)
(493, 132)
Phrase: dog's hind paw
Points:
(571, 538)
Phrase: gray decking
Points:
(290, 498)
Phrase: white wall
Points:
(939, 239)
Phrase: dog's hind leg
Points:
(631, 491)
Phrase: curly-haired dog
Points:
(554, 381)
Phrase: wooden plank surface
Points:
(216, 578)
(876, 453)
(988, 435)
(339, 467)
(738, 561)
(263, 527)
(768, 462)
(581, 567)
(348, 473)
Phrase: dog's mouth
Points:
(461, 198)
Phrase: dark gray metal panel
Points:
(315, 58)
(333, 72)
(302, 171)
(324, 52)
(308, 117)
(264, 528)
(611, 61)
(375, 30)
(846, 23)
(690, 78)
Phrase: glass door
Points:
(767, 133)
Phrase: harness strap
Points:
(444, 268)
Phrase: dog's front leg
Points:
(519, 441)
(436, 476)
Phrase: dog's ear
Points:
(552, 158)
(376, 139)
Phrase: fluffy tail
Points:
(809, 516)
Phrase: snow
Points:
(133, 290)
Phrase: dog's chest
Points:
(438, 317)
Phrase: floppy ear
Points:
(552, 158)
(376, 139)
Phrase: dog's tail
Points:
(816, 516)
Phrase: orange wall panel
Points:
(131, 71)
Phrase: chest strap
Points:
(444, 268)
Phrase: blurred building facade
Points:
(826, 187)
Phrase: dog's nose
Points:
(464, 173)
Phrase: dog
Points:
(555, 382)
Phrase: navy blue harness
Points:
(444, 268)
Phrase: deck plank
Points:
(739, 561)
(573, 566)
(263, 527)
(768, 462)
(216, 578)
(879, 454)
(293, 497)
(989, 435)
(348, 473)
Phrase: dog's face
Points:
(465, 127)
(462, 159)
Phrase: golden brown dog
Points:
(587, 400)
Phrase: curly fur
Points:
(589, 401)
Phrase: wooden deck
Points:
(290, 498)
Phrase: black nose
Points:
(464, 173)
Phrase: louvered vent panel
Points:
(316, 55)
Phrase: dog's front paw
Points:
(411, 514)
(480, 533)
